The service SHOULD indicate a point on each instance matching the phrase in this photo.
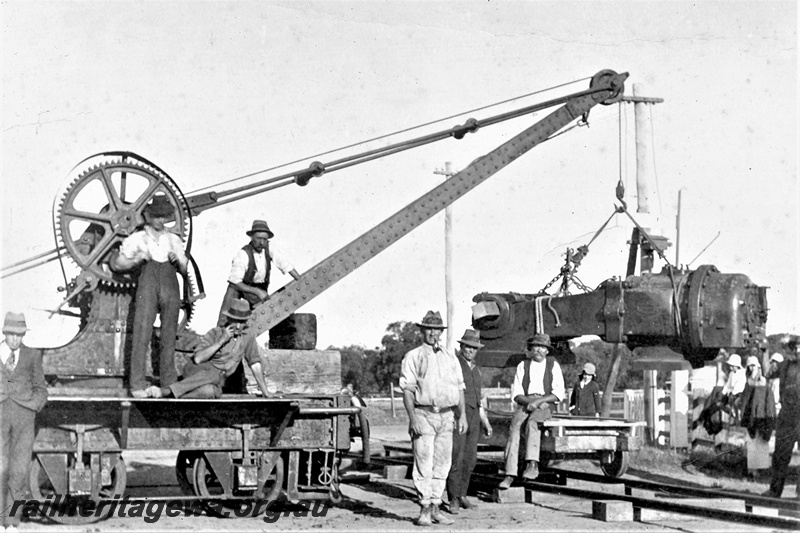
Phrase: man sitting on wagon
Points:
(538, 387)
(216, 357)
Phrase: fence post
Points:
(679, 410)
(391, 395)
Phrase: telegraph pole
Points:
(448, 259)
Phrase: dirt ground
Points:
(373, 503)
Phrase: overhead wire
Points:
(386, 135)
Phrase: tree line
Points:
(373, 371)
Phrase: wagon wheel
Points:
(43, 485)
(618, 464)
(184, 470)
(207, 485)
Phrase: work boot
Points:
(424, 516)
(453, 506)
(506, 483)
(531, 471)
(438, 517)
(466, 504)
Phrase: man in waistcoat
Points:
(23, 393)
(159, 255)
(465, 447)
(537, 389)
(250, 269)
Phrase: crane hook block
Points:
(470, 126)
(315, 170)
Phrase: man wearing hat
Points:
(775, 382)
(433, 388)
(23, 393)
(217, 356)
(585, 399)
(787, 427)
(250, 268)
(465, 447)
(159, 255)
(538, 386)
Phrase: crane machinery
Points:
(243, 450)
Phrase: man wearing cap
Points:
(538, 387)
(787, 428)
(217, 355)
(433, 387)
(585, 399)
(250, 268)
(23, 393)
(159, 255)
(465, 447)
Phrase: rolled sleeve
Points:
(238, 267)
(131, 246)
(558, 388)
(408, 373)
(176, 244)
(516, 387)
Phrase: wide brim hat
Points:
(15, 323)
(589, 369)
(752, 361)
(239, 309)
(735, 360)
(471, 338)
(541, 339)
(260, 225)
(432, 320)
(160, 206)
(778, 358)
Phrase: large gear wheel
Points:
(105, 204)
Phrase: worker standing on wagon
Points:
(465, 447)
(538, 386)
(23, 393)
(250, 269)
(217, 355)
(433, 386)
(787, 429)
(160, 256)
(585, 399)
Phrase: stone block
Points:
(510, 495)
(395, 471)
(612, 510)
(655, 515)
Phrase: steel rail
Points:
(491, 480)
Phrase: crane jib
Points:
(327, 272)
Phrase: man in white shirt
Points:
(250, 269)
(538, 387)
(159, 255)
(433, 388)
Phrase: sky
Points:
(211, 91)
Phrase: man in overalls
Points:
(160, 256)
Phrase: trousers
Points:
(17, 433)
(787, 433)
(432, 455)
(156, 294)
(202, 380)
(532, 440)
(465, 455)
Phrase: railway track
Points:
(555, 480)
